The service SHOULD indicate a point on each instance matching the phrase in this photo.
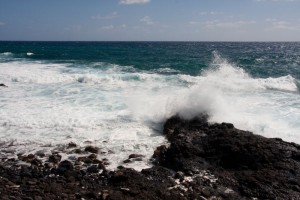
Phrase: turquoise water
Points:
(116, 95)
(258, 59)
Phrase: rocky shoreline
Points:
(203, 161)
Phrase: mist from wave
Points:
(269, 107)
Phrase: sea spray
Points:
(228, 94)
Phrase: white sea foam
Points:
(48, 105)
(29, 54)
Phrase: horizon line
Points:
(144, 41)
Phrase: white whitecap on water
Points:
(29, 54)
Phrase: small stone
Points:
(91, 149)
(54, 158)
(127, 161)
(71, 145)
(65, 165)
(136, 156)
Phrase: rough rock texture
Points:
(203, 161)
(251, 165)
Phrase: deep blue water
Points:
(263, 59)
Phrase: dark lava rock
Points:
(78, 151)
(64, 166)
(71, 145)
(55, 158)
(127, 161)
(252, 165)
(91, 149)
(136, 156)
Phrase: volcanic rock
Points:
(252, 165)
(91, 149)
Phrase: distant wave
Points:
(6, 54)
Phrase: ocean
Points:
(117, 95)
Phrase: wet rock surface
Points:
(250, 165)
(203, 161)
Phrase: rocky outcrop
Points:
(203, 161)
(250, 165)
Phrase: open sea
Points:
(117, 95)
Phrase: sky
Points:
(150, 20)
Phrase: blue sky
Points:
(150, 20)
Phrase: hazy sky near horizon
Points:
(150, 20)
